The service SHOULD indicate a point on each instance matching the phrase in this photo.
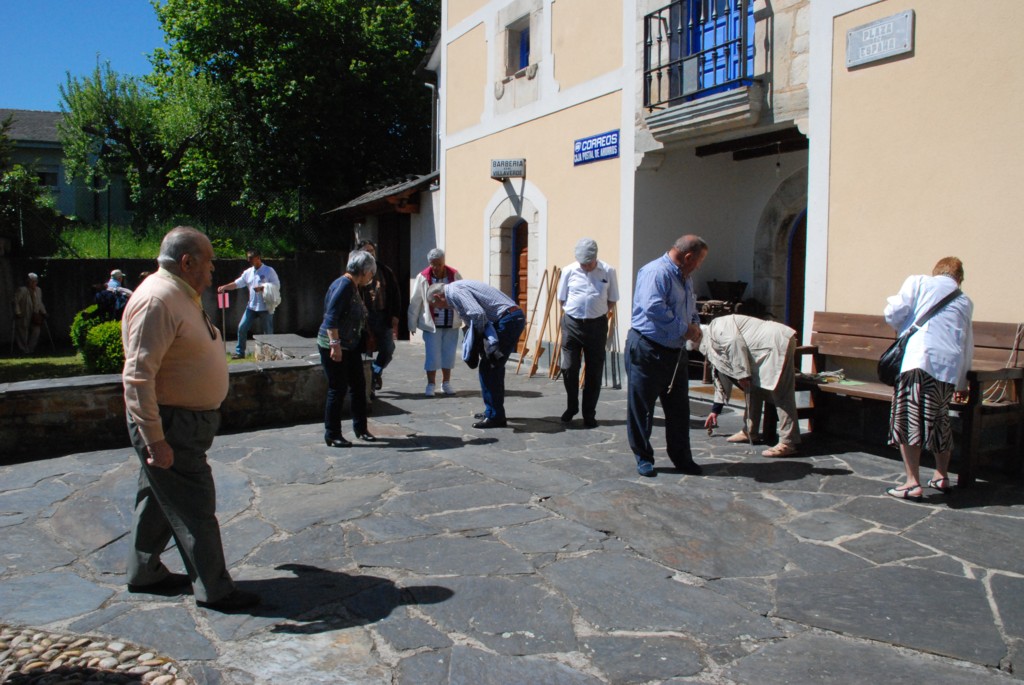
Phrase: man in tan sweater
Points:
(175, 378)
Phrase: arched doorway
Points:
(520, 262)
(780, 252)
(796, 264)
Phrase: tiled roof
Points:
(32, 125)
(370, 200)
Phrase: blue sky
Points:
(41, 40)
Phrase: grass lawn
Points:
(52, 365)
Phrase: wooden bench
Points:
(838, 338)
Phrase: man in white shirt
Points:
(254, 278)
(587, 290)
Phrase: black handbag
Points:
(891, 361)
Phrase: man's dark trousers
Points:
(492, 371)
(583, 340)
(650, 369)
(179, 501)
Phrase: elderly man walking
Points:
(175, 378)
(757, 356)
(664, 319)
(587, 290)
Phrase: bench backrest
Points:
(866, 336)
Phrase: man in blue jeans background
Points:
(255, 278)
(481, 305)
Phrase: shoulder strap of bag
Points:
(934, 310)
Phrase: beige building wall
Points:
(460, 9)
(582, 201)
(586, 39)
(467, 67)
(927, 158)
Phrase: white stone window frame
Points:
(510, 89)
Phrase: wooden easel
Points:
(524, 349)
(556, 273)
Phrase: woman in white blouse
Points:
(934, 368)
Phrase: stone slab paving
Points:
(533, 554)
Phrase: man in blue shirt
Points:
(482, 307)
(664, 318)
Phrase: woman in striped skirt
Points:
(934, 371)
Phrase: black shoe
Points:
(590, 422)
(337, 442)
(377, 382)
(491, 423)
(366, 436)
(481, 415)
(236, 601)
(172, 584)
(690, 468)
(567, 415)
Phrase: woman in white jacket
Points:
(935, 365)
(440, 326)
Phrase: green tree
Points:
(317, 96)
(20, 191)
(123, 125)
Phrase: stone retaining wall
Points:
(67, 415)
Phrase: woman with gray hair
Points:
(342, 340)
(440, 326)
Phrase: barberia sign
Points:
(508, 168)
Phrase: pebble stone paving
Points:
(532, 554)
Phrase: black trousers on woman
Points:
(344, 376)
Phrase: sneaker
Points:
(377, 382)
(446, 388)
(429, 392)
(646, 469)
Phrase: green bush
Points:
(103, 352)
(82, 324)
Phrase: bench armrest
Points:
(1005, 374)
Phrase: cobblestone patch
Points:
(31, 657)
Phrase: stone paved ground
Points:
(534, 554)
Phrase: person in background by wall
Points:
(935, 366)
(588, 289)
(117, 280)
(175, 379)
(664, 319)
(440, 326)
(341, 341)
(29, 314)
(383, 302)
(255, 278)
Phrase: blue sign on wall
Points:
(596, 148)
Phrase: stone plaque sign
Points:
(880, 39)
(508, 168)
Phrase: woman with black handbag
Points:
(938, 355)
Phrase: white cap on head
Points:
(586, 250)
(33, 277)
(117, 273)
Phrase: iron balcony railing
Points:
(693, 48)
